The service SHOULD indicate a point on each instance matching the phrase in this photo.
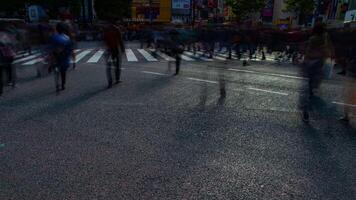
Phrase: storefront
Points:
(181, 11)
(151, 10)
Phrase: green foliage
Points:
(112, 9)
(243, 8)
(303, 7)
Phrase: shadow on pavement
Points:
(64, 105)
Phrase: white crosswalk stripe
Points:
(130, 55)
(23, 54)
(163, 55)
(199, 57)
(26, 58)
(214, 57)
(146, 55)
(34, 61)
(149, 55)
(81, 55)
(219, 58)
(186, 58)
(96, 57)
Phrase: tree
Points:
(112, 9)
(302, 8)
(243, 8)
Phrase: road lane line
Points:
(81, 55)
(155, 73)
(202, 80)
(344, 104)
(147, 56)
(268, 91)
(26, 58)
(130, 55)
(96, 57)
(269, 74)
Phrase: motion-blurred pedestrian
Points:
(318, 48)
(7, 56)
(350, 86)
(177, 49)
(61, 50)
(115, 48)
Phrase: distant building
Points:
(182, 10)
(151, 10)
(280, 14)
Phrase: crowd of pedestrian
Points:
(308, 48)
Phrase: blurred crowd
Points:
(308, 48)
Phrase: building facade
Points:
(151, 10)
(281, 16)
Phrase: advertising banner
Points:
(181, 4)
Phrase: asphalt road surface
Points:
(158, 136)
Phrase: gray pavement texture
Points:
(155, 136)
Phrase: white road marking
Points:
(163, 55)
(186, 58)
(22, 54)
(199, 57)
(202, 80)
(34, 61)
(130, 55)
(238, 90)
(96, 57)
(268, 91)
(146, 55)
(344, 104)
(81, 55)
(26, 58)
(269, 74)
(215, 57)
(226, 56)
(155, 73)
(219, 58)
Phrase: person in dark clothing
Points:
(176, 48)
(61, 52)
(317, 50)
(7, 55)
(115, 47)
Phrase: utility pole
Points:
(193, 5)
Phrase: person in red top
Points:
(115, 48)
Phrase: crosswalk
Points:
(131, 55)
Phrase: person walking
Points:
(7, 56)
(318, 48)
(61, 50)
(177, 48)
(350, 84)
(115, 48)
